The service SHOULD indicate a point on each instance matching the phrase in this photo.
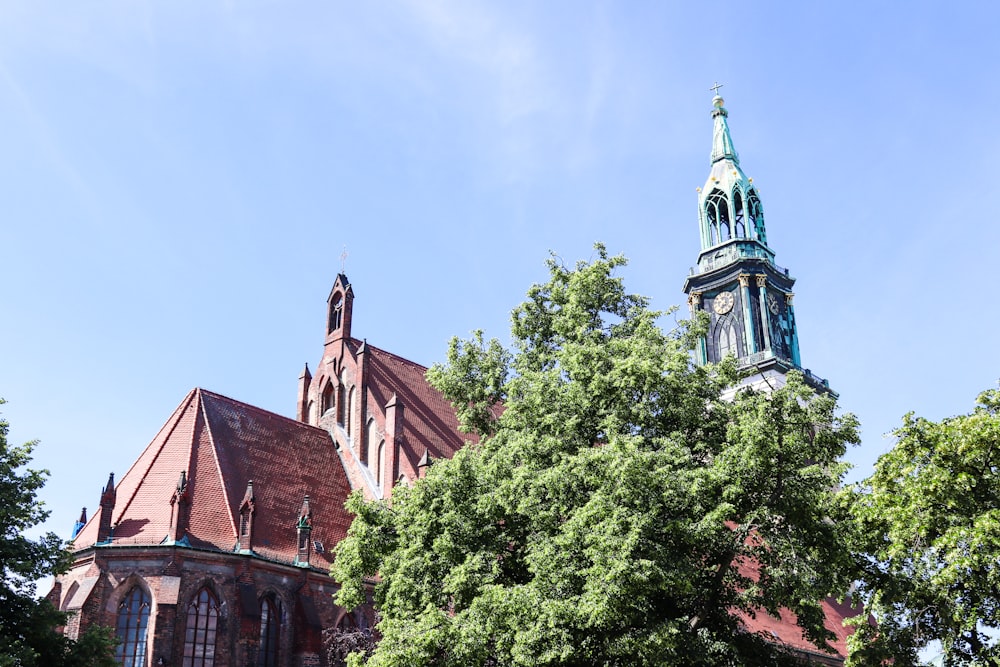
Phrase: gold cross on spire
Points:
(715, 88)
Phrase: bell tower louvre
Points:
(746, 295)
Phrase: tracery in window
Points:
(336, 313)
(130, 628)
(200, 632)
(728, 343)
(718, 216)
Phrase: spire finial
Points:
(722, 143)
(343, 260)
(715, 88)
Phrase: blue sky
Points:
(179, 181)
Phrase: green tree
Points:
(28, 634)
(928, 540)
(616, 511)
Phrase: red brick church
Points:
(214, 548)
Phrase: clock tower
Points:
(747, 296)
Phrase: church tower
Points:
(747, 296)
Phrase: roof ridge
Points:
(396, 356)
(175, 419)
(229, 399)
(218, 468)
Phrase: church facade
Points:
(213, 549)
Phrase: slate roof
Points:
(222, 444)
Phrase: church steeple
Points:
(746, 295)
(728, 205)
(722, 142)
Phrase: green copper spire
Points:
(729, 206)
(722, 143)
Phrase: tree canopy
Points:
(616, 511)
(28, 634)
(927, 534)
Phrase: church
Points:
(214, 547)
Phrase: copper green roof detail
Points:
(729, 206)
(722, 142)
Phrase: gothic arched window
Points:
(350, 411)
(739, 228)
(713, 225)
(270, 627)
(341, 399)
(327, 400)
(336, 312)
(130, 628)
(200, 632)
(718, 211)
(728, 343)
(370, 439)
(380, 463)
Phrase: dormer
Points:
(247, 509)
(339, 304)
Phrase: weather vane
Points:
(715, 88)
(343, 260)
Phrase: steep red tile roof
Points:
(222, 444)
(430, 420)
(787, 632)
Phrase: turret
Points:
(108, 497)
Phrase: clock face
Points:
(723, 303)
(772, 303)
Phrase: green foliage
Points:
(28, 634)
(614, 511)
(928, 538)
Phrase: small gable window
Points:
(201, 630)
(130, 628)
(270, 628)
